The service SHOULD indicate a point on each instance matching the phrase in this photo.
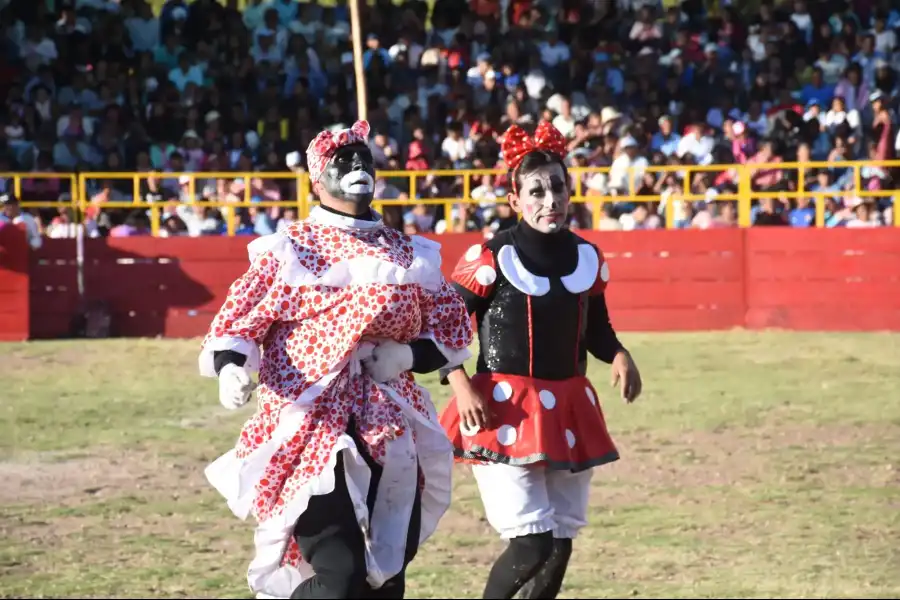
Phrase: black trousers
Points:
(331, 541)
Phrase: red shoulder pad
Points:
(602, 280)
(476, 270)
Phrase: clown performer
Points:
(344, 464)
(528, 420)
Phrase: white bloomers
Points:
(533, 499)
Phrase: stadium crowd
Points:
(121, 85)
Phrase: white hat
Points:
(628, 142)
(609, 113)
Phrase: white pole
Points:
(79, 258)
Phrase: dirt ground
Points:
(695, 459)
(771, 473)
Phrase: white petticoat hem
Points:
(236, 480)
(266, 575)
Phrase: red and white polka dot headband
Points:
(323, 147)
(517, 144)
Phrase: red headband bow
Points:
(517, 143)
(323, 147)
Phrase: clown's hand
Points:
(388, 360)
(625, 374)
(235, 386)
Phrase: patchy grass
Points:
(755, 465)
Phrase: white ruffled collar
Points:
(578, 281)
(425, 269)
(324, 217)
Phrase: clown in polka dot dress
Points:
(528, 420)
(343, 465)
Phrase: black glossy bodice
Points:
(535, 335)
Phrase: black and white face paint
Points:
(350, 175)
(543, 198)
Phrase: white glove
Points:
(235, 386)
(388, 360)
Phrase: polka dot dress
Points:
(308, 330)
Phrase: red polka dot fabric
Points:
(476, 271)
(517, 143)
(309, 330)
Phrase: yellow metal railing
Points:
(689, 186)
(27, 186)
(88, 180)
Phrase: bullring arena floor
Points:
(755, 465)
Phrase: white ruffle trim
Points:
(425, 269)
(206, 361)
(454, 357)
(266, 576)
(542, 526)
(236, 480)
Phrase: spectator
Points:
(11, 213)
(187, 88)
(666, 140)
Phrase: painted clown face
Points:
(543, 198)
(350, 175)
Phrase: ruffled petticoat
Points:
(405, 409)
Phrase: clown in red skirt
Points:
(529, 421)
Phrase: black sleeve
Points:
(427, 357)
(226, 357)
(602, 342)
(475, 305)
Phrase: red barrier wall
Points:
(153, 287)
(832, 279)
(661, 280)
(13, 284)
(53, 298)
